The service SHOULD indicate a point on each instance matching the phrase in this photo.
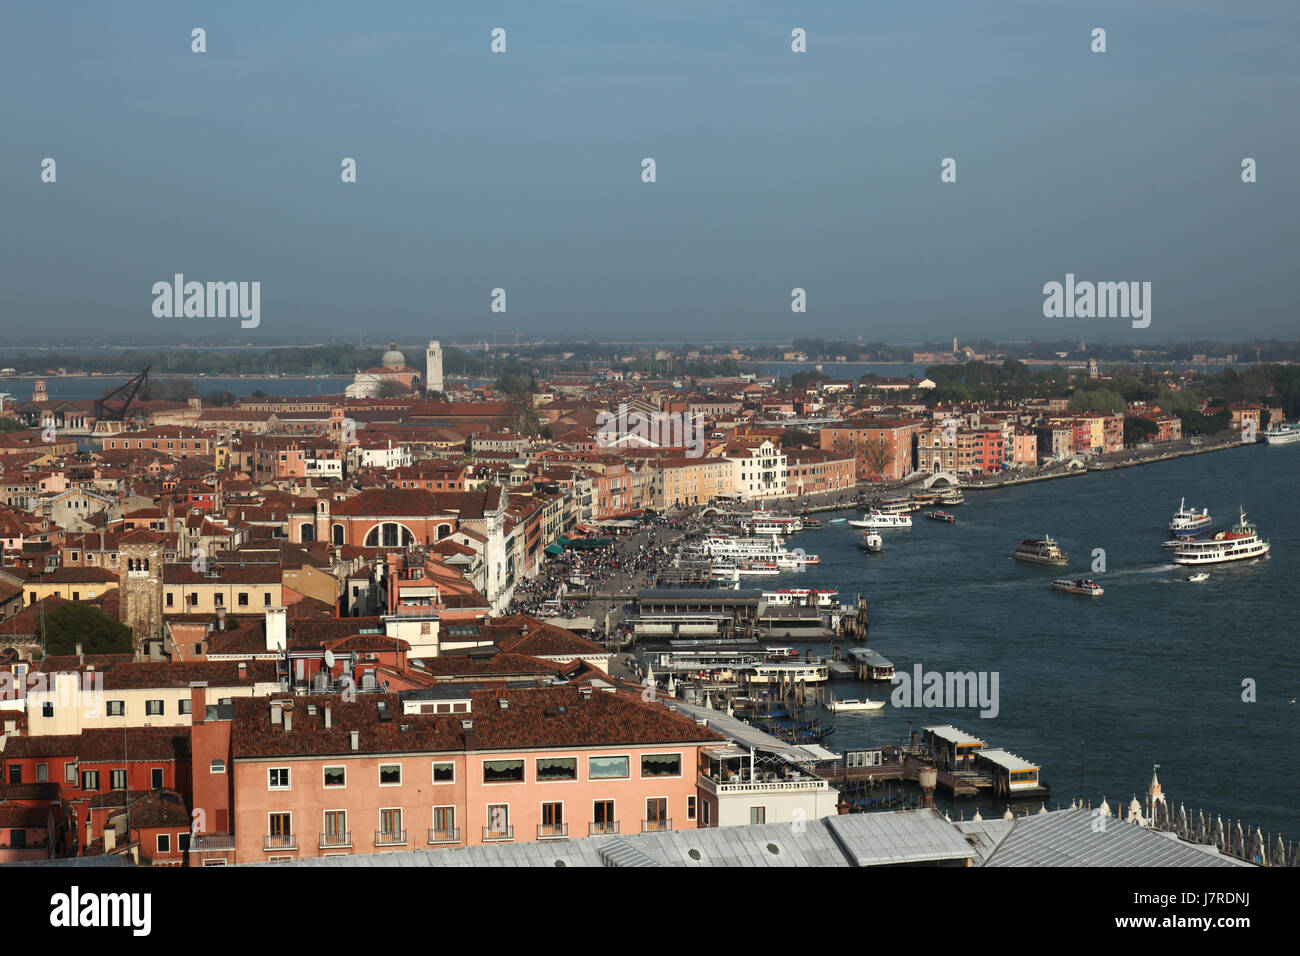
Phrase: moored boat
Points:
(941, 516)
(852, 704)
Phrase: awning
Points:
(554, 549)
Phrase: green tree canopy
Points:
(71, 624)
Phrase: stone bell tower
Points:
(140, 583)
(433, 367)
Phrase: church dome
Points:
(393, 358)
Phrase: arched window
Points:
(443, 531)
(338, 534)
(308, 532)
(218, 766)
(146, 565)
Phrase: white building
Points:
(761, 471)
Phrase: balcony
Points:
(552, 831)
(599, 829)
(390, 838)
(759, 782)
(498, 834)
(280, 841)
(444, 836)
(656, 826)
(334, 841)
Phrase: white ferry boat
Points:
(1186, 519)
(1283, 435)
(898, 506)
(1045, 551)
(1241, 543)
(879, 521)
(801, 597)
(752, 553)
(871, 541)
(769, 522)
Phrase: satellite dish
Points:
(329, 658)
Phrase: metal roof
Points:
(953, 735)
(1006, 759)
(881, 839)
(1080, 838)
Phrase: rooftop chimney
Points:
(288, 721)
(356, 740)
(276, 628)
(329, 717)
(81, 658)
(243, 670)
(275, 714)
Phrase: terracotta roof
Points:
(533, 719)
(134, 743)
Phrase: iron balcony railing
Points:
(390, 838)
(332, 840)
(498, 834)
(656, 826)
(280, 841)
(596, 829)
(552, 831)
(444, 836)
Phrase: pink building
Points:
(296, 777)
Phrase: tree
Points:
(11, 425)
(1138, 430)
(877, 453)
(798, 436)
(71, 624)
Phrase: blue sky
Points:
(775, 170)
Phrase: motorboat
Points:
(871, 541)
(1044, 551)
(1084, 586)
(941, 516)
(853, 703)
(1187, 519)
(1198, 577)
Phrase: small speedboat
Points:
(838, 520)
(1084, 586)
(1198, 577)
(941, 516)
(838, 706)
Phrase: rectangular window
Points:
(661, 765)
(156, 778)
(390, 822)
(153, 708)
(335, 777)
(243, 599)
(69, 773)
(164, 843)
(47, 709)
(444, 772)
(279, 825)
(607, 768)
(503, 771)
(42, 772)
(758, 814)
(557, 768)
(277, 778)
(186, 706)
(690, 808)
(117, 779)
(444, 819)
(90, 780)
(266, 600)
(603, 812)
(656, 809)
(182, 843)
(15, 774)
(498, 818)
(390, 774)
(170, 597)
(336, 824)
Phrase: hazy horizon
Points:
(775, 170)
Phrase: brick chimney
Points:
(276, 628)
